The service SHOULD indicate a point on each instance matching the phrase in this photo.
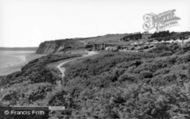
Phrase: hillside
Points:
(111, 85)
(109, 38)
(49, 47)
(120, 40)
(151, 84)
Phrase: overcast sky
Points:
(26, 23)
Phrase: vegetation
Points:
(33, 83)
(133, 37)
(128, 86)
(110, 85)
(166, 35)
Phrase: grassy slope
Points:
(110, 85)
(33, 83)
(110, 38)
(123, 85)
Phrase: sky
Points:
(27, 23)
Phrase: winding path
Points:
(62, 69)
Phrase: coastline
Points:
(14, 67)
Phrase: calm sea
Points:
(11, 58)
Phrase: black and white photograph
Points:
(94, 59)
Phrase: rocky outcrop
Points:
(49, 47)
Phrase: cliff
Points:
(49, 47)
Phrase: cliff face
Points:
(46, 47)
(49, 47)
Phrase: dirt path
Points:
(62, 69)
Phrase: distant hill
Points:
(19, 48)
(53, 46)
(109, 38)
(110, 85)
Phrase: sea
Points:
(11, 58)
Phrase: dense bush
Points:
(166, 35)
(110, 85)
(128, 86)
(34, 82)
